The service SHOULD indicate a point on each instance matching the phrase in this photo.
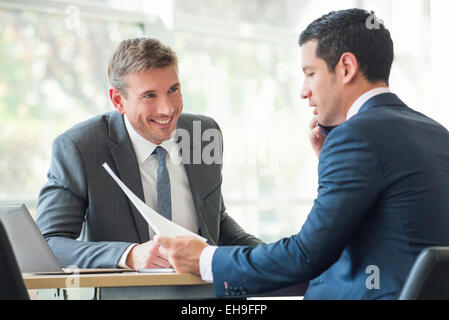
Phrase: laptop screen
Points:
(30, 248)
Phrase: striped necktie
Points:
(163, 184)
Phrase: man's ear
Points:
(117, 100)
(348, 67)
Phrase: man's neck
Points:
(360, 89)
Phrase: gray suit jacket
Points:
(80, 200)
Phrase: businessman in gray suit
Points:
(84, 215)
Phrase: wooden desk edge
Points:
(133, 279)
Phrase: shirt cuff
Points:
(122, 262)
(206, 263)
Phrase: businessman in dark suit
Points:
(137, 140)
(383, 180)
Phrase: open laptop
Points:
(32, 252)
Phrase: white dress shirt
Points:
(183, 209)
(364, 98)
(208, 252)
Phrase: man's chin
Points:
(157, 138)
(326, 122)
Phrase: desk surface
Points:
(134, 285)
(128, 279)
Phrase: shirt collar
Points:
(364, 98)
(144, 148)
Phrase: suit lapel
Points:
(127, 168)
(196, 172)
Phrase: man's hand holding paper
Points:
(146, 256)
(183, 252)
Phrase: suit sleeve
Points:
(348, 185)
(61, 211)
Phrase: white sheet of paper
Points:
(164, 270)
(158, 223)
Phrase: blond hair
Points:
(137, 54)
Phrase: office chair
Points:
(429, 277)
(12, 286)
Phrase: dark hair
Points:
(356, 31)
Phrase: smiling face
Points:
(153, 102)
(321, 87)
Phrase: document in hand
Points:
(158, 223)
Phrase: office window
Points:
(239, 63)
(53, 74)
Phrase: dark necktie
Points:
(163, 185)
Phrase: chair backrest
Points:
(12, 286)
(429, 276)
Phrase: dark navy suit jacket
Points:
(383, 196)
